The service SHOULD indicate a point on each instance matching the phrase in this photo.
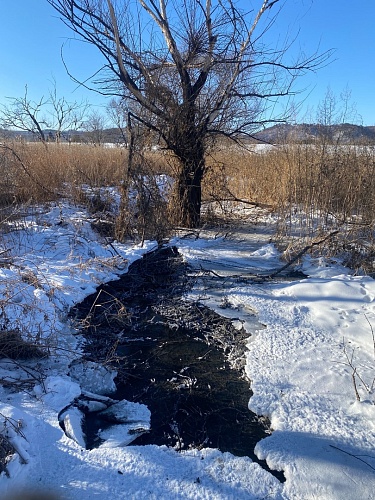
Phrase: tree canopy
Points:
(190, 70)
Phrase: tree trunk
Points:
(187, 141)
(189, 190)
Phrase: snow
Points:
(93, 377)
(73, 425)
(317, 335)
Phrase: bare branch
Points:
(188, 70)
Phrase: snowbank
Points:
(318, 335)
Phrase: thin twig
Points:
(355, 385)
(354, 456)
(372, 332)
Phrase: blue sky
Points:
(32, 36)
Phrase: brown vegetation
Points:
(315, 188)
(321, 180)
(13, 346)
(42, 172)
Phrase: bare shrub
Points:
(145, 207)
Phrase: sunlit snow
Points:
(318, 333)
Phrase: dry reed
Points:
(42, 172)
(314, 187)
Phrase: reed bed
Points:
(42, 172)
(315, 188)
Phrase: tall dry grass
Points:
(235, 172)
(315, 188)
(41, 172)
(321, 181)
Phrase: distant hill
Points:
(110, 135)
(345, 133)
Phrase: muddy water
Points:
(172, 357)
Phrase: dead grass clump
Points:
(13, 346)
(357, 251)
(31, 278)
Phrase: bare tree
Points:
(95, 125)
(37, 117)
(65, 116)
(24, 114)
(117, 113)
(190, 71)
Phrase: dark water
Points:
(170, 359)
(195, 398)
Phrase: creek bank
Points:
(180, 359)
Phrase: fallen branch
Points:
(241, 200)
(302, 252)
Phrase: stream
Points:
(173, 356)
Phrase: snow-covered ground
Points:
(318, 337)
